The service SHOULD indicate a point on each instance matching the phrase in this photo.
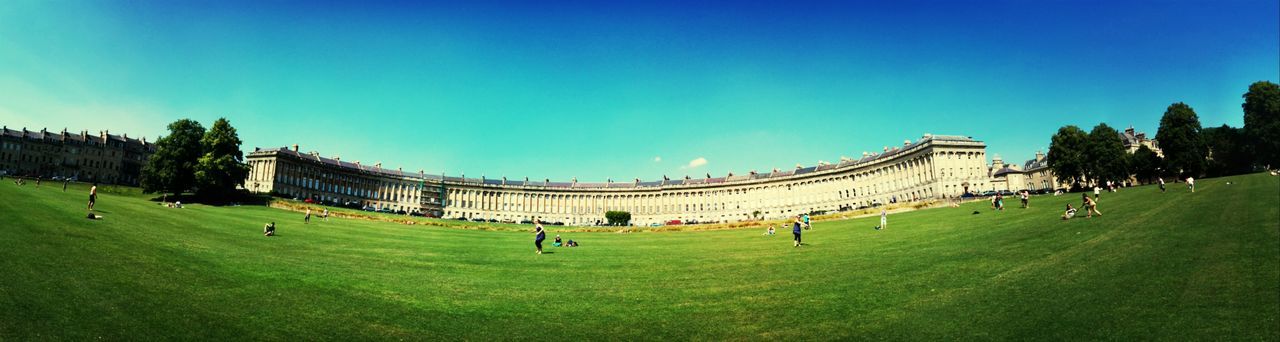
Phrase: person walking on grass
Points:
(1025, 194)
(1161, 179)
(325, 215)
(539, 234)
(1090, 205)
(64, 184)
(805, 218)
(1191, 183)
(884, 219)
(93, 196)
(307, 219)
(795, 229)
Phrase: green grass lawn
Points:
(1178, 265)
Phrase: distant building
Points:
(1033, 175)
(1132, 140)
(101, 158)
(934, 167)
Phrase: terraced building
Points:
(934, 167)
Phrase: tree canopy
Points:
(617, 218)
(1228, 153)
(221, 168)
(1145, 164)
(172, 167)
(1067, 154)
(1262, 122)
(1105, 158)
(1180, 139)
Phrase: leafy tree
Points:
(172, 167)
(1262, 122)
(221, 168)
(617, 218)
(1105, 158)
(1145, 164)
(1180, 139)
(1227, 151)
(1067, 154)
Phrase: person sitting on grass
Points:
(1071, 212)
(269, 229)
(557, 242)
(769, 231)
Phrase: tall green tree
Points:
(1067, 154)
(1105, 158)
(1180, 139)
(172, 167)
(1262, 122)
(617, 218)
(1228, 154)
(221, 168)
(1145, 164)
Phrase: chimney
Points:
(1129, 130)
(295, 148)
(906, 142)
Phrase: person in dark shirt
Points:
(539, 235)
(795, 229)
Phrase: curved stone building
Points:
(936, 166)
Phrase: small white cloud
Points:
(700, 161)
(657, 159)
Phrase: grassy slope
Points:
(1157, 266)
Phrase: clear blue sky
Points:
(601, 89)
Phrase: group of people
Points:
(1089, 204)
(1191, 183)
(324, 215)
(798, 223)
(559, 243)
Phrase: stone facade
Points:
(1034, 175)
(935, 167)
(103, 157)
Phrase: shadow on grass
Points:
(233, 199)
